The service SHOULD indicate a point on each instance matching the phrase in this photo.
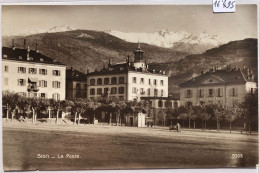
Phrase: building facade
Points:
(76, 84)
(227, 87)
(128, 80)
(32, 74)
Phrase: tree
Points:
(9, 100)
(218, 114)
(80, 106)
(250, 109)
(231, 114)
(205, 115)
(196, 114)
(35, 104)
(22, 103)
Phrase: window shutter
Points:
(191, 93)
(202, 93)
(221, 92)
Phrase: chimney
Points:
(128, 58)
(28, 48)
(109, 62)
(24, 43)
(248, 72)
(252, 77)
(36, 48)
(13, 47)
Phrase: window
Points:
(141, 80)
(149, 81)
(121, 90)
(92, 81)
(160, 103)
(201, 93)
(210, 92)
(21, 70)
(43, 83)
(113, 90)
(55, 84)
(155, 82)
(168, 104)
(5, 81)
(234, 92)
(134, 79)
(142, 91)
(161, 82)
(188, 104)
(99, 91)
(85, 86)
(161, 92)
(92, 91)
(149, 91)
(78, 86)
(106, 81)
(6, 68)
(32, 95)
(56, 72)
(99, 81)
(155, 92)
(188, 93)
(106, 90)
(134, 90)
(32, 71)
(56, 96)
(220, 92)
(43, 71)
(22, 94)
(21, 82)
(114, 80)
(121, 80)
(42, 95)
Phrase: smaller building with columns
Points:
(227, 87)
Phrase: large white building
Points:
(128, 80)
(32, 74)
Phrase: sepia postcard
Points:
(101, 87)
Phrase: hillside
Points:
(241, 53)
(84, 49)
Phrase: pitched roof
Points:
(14, 54)
(72, 74)
(227, 76)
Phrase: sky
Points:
(193, 19)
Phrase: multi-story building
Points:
(32, 74)
(128, 80)
(226, 87)
(76, 84)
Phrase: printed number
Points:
(237, 156)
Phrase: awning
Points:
(32, 80)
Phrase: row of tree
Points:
(84, 108)
(246, 111)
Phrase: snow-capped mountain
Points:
(181, 41)
(63, 28)
(27, 32)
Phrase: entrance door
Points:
(131, 121)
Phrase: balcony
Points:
(32, 88)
